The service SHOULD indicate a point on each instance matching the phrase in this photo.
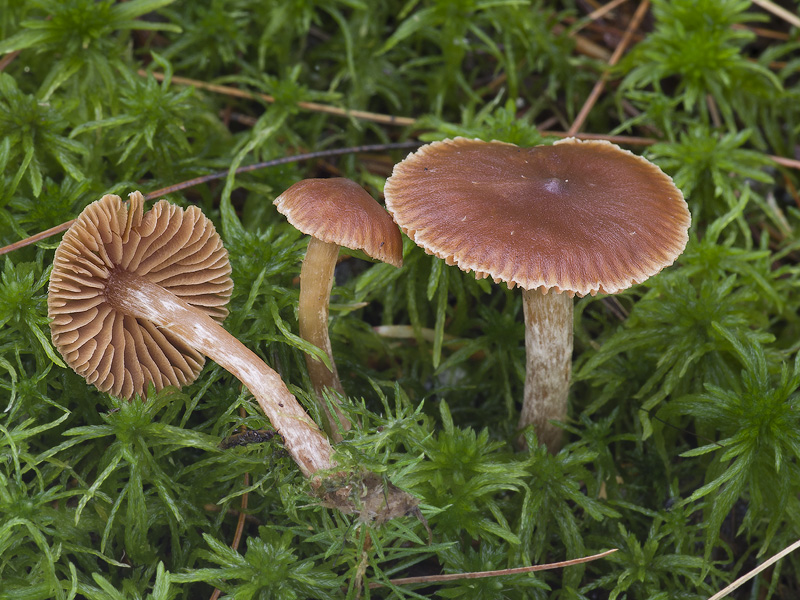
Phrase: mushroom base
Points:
(368, 495)
(548, 347)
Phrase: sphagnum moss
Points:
(680, 449)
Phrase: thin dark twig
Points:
(651, 413)
(11, 56)
(221, 175)
(36, 237)
(283, 161)
(601, 83)
(779, 12)
(597, 14)
(8, 59)
(237, 536)
(499, 573)
(313, 106)
(748, 576)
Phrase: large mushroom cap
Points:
(575, 217)
(339, 211)
(175, 248)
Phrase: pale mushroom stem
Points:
(303, 440)
(548, 346)
(316, 282)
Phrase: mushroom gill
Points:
(111, 243)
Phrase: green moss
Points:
(681, 446)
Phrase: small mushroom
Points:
(137, 298)
(574, 218)
(334, 212)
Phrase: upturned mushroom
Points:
(573, 218)
(333, 212)
(137, 298)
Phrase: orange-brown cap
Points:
(575, 217)
(339, 211)
(175, 248)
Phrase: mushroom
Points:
(334, 212)
(137, 298)
(574, 218)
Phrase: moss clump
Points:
(682, 446)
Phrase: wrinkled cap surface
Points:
(575, 217)
(339, 211)
(178, 249)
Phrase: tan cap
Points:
(175, 248)
(339, 211)
(575, 217)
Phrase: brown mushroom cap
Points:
(175, 248)
(339, 211)
(575, 217)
